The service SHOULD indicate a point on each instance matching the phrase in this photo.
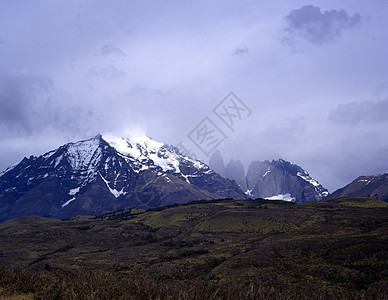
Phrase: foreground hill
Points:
(240, 248)
(365, 186)
(105, 174)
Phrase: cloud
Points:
(18, 94)
(308, 23)
(109, 49)
(360, 112)
(286, 132)
(241, 51)
(108, 72)
(31, 104)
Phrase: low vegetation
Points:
(225, 249)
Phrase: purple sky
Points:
(314, 75)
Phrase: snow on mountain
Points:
(106, 173)
(279, 178)
(365, 186)
(283, 197)
(274, 179)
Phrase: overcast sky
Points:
(313, 77)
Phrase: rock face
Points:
(282, 180)
(216, 163)
(365, 186)
(275, 180)
(235, 171)
(105, 174)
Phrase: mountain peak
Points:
(107, 173)
(216, 163)
(275, 179)
(365, 186)
(132, 144)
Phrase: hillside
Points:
(331, 247)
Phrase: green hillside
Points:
(220, 249)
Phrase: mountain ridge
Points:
(106, 173)
(365, 186)
(273, 180)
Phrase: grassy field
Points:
(225, 249)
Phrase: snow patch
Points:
(84, 155)
(196, 163)
(307, 178)
(266, 173)
(57, 161)
(283, 197)
(113, 191)
(72, 192)
(143, 148)
(364, 180)
(167, 178)
(68, 202)
(186, 177)
(249, 192)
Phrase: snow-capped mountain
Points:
(275, 180)
(365, 186)
(282, 180)
(104, 174)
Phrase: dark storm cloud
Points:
(109, 49)
(360, 112)
(30, 104)
(310, 24)
(18, 92)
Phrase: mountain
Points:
(282, 180)
(275, 180)
(216, 163)
(104, 174)
(365, 186)
(234, 170)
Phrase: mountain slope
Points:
(365, 186)
(104, 174)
